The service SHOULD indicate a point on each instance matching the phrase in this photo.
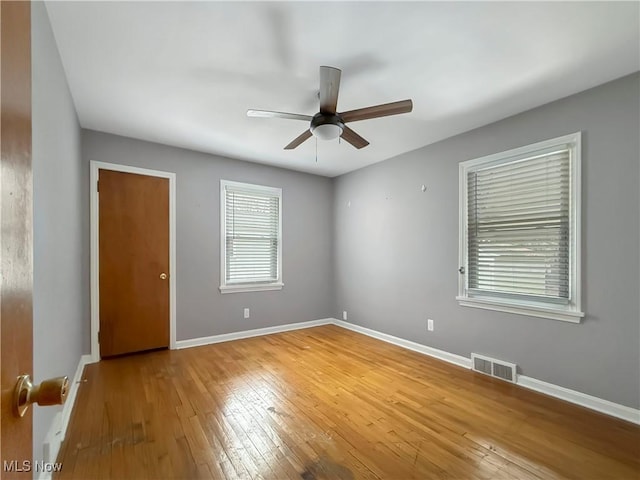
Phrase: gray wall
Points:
(396, 248)
(306, 226)
(60, 296)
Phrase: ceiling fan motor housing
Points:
(326, 126)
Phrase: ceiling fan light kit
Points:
(328, 124)
(326, 127)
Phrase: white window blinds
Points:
(252, 234)
(518, 228)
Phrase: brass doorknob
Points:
(50, 392)
(163, 276)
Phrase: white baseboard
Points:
(73, 392)
(594, 403)
(51, 445)
(401, 342)
(58, 430)
(59, 427)
(227, 337)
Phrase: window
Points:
(520, 230)
(251, 233)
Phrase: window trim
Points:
(570, 312)
(240, 287)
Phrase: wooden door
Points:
(133, 249)
(16, 287)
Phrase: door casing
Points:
(95, 166)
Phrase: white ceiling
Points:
(185, 73)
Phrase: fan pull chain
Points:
(316, 149)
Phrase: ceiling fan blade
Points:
(329, 87)
(353, 138)
(270, 114)
(384, 110)
(298, 140)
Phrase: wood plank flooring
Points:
(328, 403)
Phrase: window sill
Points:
(250, 287)
(520, 309)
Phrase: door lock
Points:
(50, 392)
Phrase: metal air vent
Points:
(496, 368)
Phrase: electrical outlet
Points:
(247, 313)
(344, 314)
(430, 325)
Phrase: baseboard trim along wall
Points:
(409, 345)
(58, 430)
(73, 392)
(594, 403)
(227, 337)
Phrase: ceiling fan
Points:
(328, 124)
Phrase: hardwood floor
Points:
(328, 403)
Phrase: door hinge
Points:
(98, 336)
(98, 186)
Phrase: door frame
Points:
(95, 166)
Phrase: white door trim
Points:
(95, 264)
